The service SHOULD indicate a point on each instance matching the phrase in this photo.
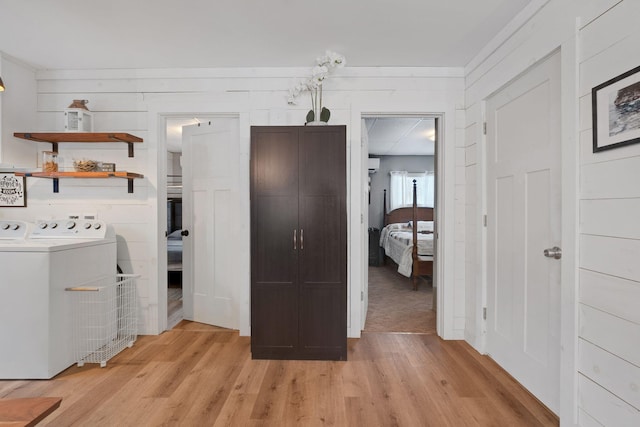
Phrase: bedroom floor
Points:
(395, 307)
(174, 299)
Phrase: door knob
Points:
(554, 252)
(184, 233)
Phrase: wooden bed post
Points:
(384, 207)
(384, 222)
(414, 228)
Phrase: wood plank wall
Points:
(125, 101)
(609, 275)
(607, 368)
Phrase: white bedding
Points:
(397, 242)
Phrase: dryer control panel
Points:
(13, 229)
(69, 228)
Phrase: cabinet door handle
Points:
(295, 239)
(302, 239)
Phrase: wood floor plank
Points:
(175, 373)
(506, 389)
(221, 373)
(199, 397)
(271, 401)
(201, 375)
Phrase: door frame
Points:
(444, 296)
(158, 112)
(570, 154)
(162, 197)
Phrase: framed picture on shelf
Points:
(616, 111)
(13, 191)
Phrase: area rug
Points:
(395, 307)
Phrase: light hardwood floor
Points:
(196, 375)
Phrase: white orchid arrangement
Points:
(324, 66)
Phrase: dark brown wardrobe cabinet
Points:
(298, 242)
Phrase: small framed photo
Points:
(107, 167)
(616, 111)
(13, 190)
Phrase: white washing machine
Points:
(35, 268)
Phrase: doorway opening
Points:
(174, 239)
(173, 138)
(401, 151)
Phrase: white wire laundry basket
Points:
(104, 318)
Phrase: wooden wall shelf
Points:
(54, 138)
(129, 176)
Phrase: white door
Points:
(523, 212)
(211, 205)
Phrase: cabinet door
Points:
(275, 240)
(322, 264)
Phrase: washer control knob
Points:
(87, 225)
(97, 226)
(54, 225)
(6, 226)
(42, 225)
(15, 226)
(70, 225)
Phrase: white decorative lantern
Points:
(77, 117)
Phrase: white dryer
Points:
(36, 325)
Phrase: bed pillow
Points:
(396, 226)
(422, 225)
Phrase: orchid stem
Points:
(313, 104)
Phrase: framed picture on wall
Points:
(13, 190)
(616, 111)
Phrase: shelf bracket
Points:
(56, 185)
(129, 144)
(54, 145)
(130, 185)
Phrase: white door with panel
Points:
(523, 227)
(212, 249)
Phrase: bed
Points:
(407, 238)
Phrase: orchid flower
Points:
(325, 64)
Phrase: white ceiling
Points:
(174, 131)
(401, 136)
(85, 34)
